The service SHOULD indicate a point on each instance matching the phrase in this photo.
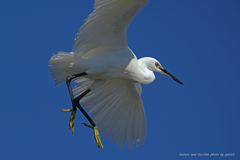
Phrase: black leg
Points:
(75, 104)
(68, 81)
(73, 110)
(76, 101)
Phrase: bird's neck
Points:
(147, 76)
(137, 70)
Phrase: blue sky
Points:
(197, 41)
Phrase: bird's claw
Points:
(72, 117)
(96, 135)
(95, 128)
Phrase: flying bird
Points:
(109, 74)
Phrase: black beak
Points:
(171, 76)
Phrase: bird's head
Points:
(154, 65)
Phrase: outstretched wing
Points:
(117, 109)
(106, 26)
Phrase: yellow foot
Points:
(72, 117)
(96, 135)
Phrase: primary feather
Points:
(106, 26)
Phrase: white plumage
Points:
(114, 74)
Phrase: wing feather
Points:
(82, 87)
(113, 120)
(117, 109)
(129, 133)
(103, 113)
(106, 26)
(121, 131)
(99, 3)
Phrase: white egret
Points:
(109, 73)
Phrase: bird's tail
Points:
(59, 64)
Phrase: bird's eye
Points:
(158, 65)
